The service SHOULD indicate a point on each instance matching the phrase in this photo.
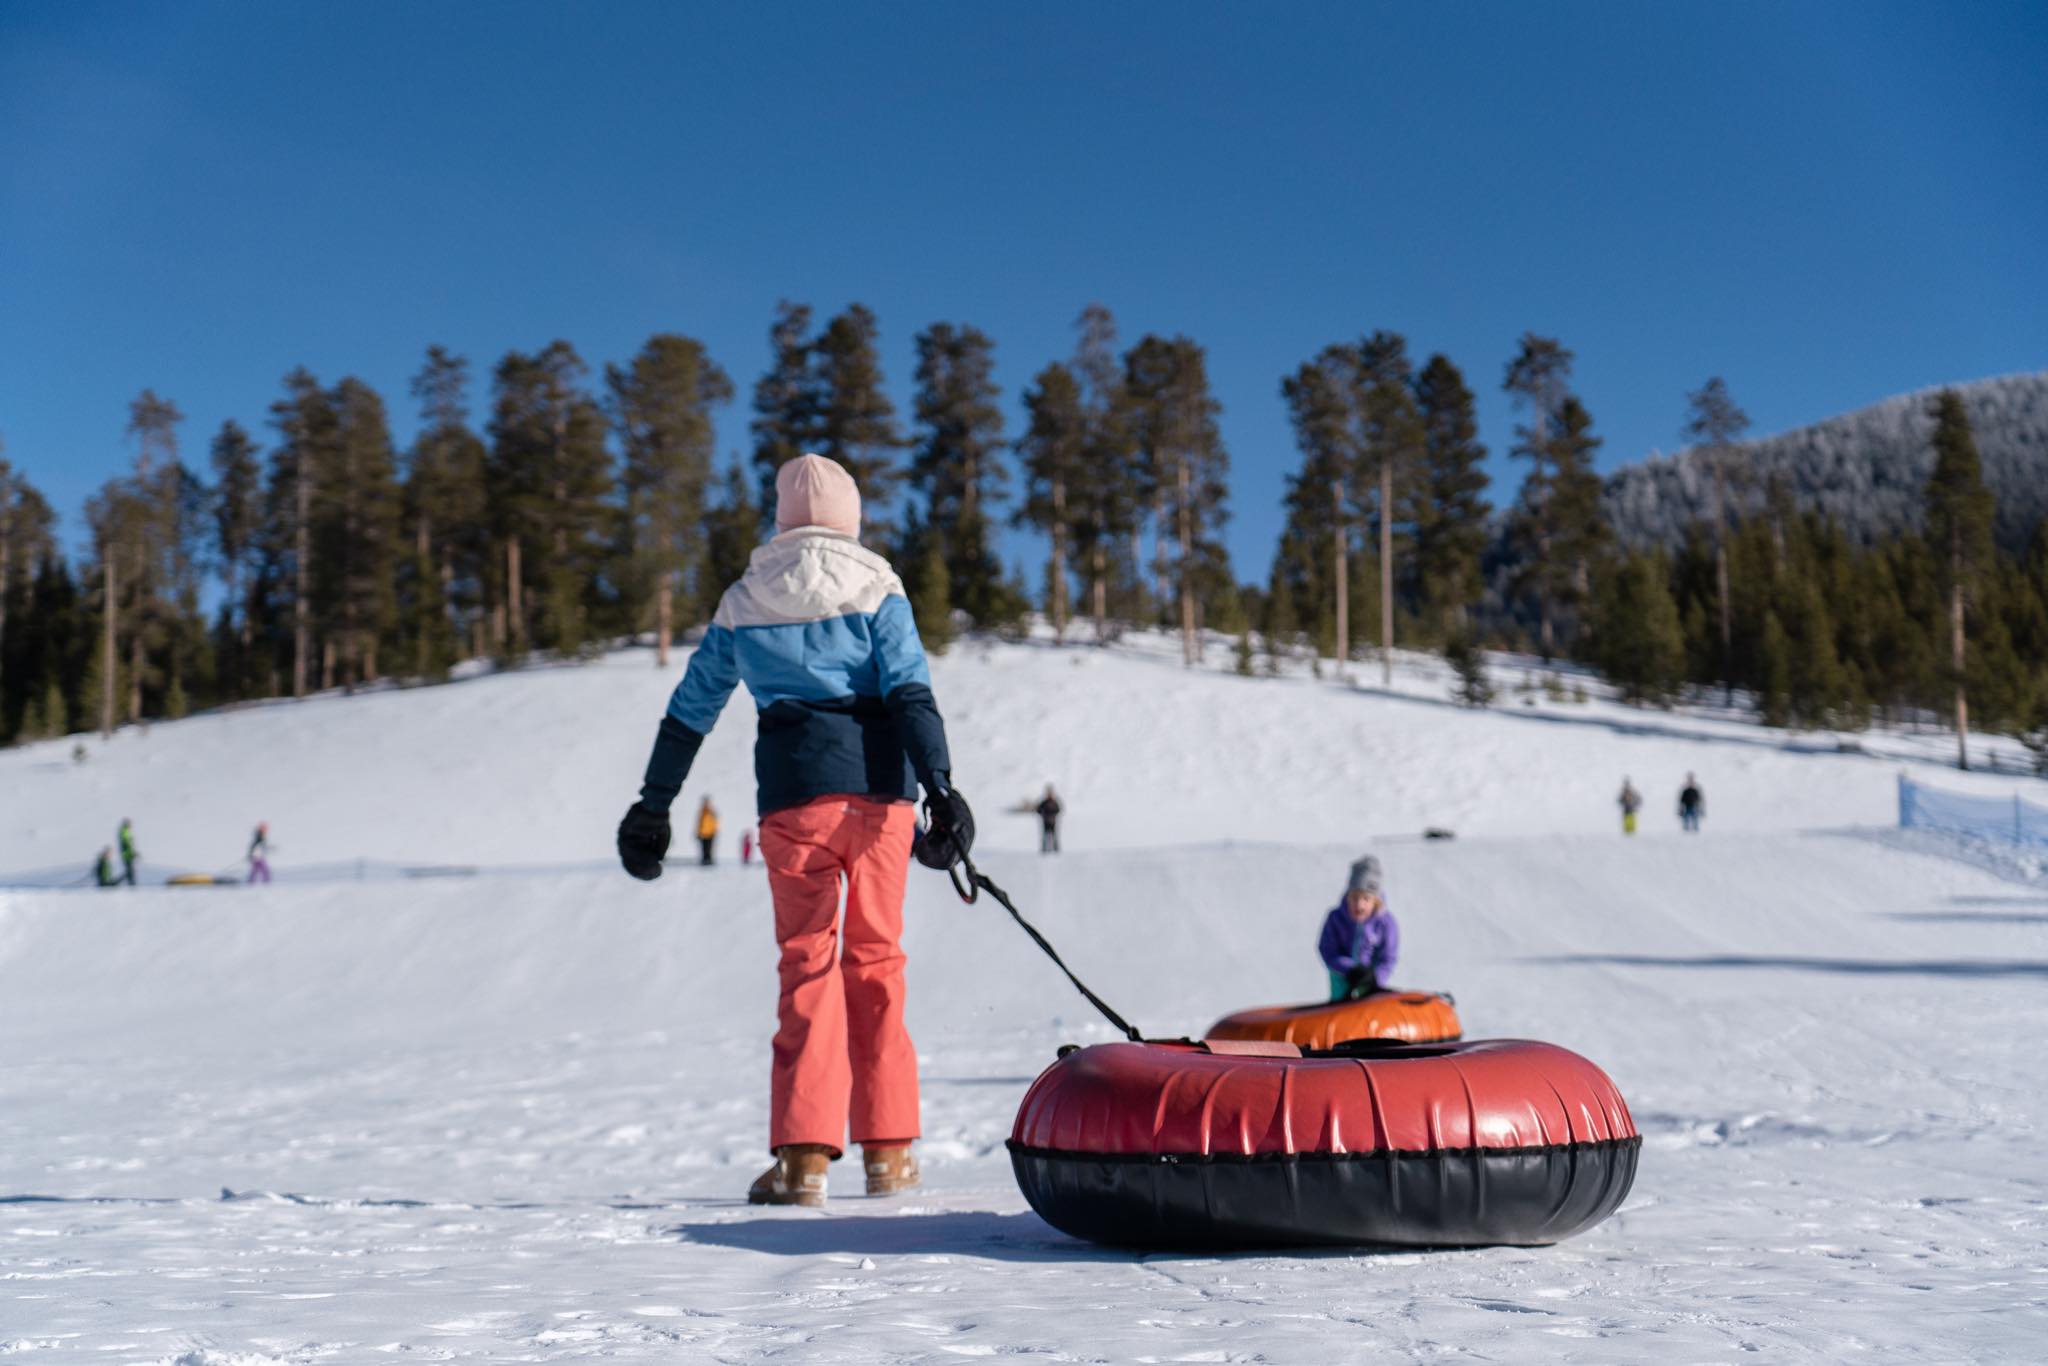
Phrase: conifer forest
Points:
(552, 505)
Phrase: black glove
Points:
(643, 841)
(949, 828)
(1360, 983)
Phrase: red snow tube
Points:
(1243, 1144)
(1413, 1016)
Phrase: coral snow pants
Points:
(842, 1055)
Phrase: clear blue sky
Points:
(1827, 204)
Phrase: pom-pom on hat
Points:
(813, 491)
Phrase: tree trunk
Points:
(1721, 586)
(1138, 564)
(1189, 652)
(302, 577)
(664, 608)
(107, 650)
(6, 564)
(1059, 560)
(448, 599)
(1162, 588)
(1387, 574)
(515, 597)
(1955, 622)
(1100, 588)
(423, 556)
(1340, 575)
(327, 663)
(135, 661)
(234, 605)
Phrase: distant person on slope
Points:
(1692, 804)
(259, 854)
(1630, 801)
(103, 871)
(1049, 822)
(707, 832)
(128, 854)
(1361, 939)
(820, 632)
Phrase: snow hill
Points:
(505, 1112)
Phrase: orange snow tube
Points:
(1411, 1016)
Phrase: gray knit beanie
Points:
(1365, 876)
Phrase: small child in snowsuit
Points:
(126, 839)
(1630, 801)
(707, 832)
(1361, 939)
(259, 854)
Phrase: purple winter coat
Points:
(1373, 943)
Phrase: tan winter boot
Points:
(797, 1178)
(892, 1167)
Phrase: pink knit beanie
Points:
(813, 491)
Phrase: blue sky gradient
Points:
(1826, 204)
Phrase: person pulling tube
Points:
(820, 631)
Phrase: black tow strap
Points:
(978, 882)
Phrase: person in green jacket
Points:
(103, 871)
(128, 854)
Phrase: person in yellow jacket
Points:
(707, 831)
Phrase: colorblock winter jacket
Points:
(819, 630)
(1348, 943)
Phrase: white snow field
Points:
(509, 1115)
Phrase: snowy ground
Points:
(507, 1116)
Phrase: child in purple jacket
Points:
(1360, 940)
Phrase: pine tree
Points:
(1539, 379)
(1282, 626)
(731, 529)
(447, 507)
(1474, 687)
(931, 599)
(856, 422)
(1107, 490)
(1391, 444)
(26, 527)
(662, 405)
(1173, 424)
(237, 517)
(355, 538)
(785, 402)
(1638, 642)
(1053, 452)
(1959, 528)
(148, 540)
(1450, 510)
(300, 462)
(551, 481)
(1318, 501)
(1713, 424)
(1774, 670)
(956, 466)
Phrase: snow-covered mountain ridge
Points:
(1865, 470)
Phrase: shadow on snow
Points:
(1858, 967)
(1022, 1237)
